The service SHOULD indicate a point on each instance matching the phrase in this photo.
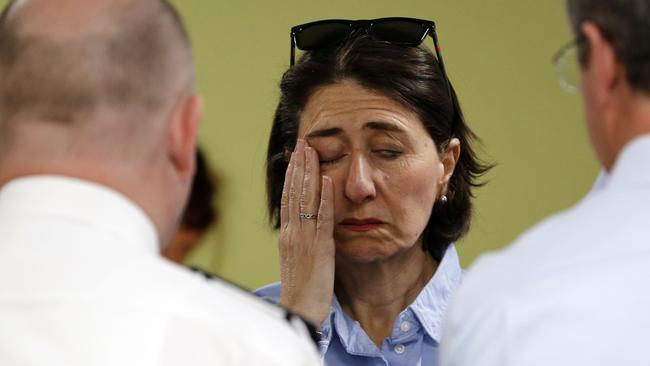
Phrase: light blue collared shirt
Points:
(416, 331)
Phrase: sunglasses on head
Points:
(409, 32)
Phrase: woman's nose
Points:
(359, 185)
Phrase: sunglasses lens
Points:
(321, 35)
(399, 32)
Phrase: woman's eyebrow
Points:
(324, 133)
(375, 125)
(384, 126)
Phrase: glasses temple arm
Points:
(436, 45)
(454, 102)
(293, 50)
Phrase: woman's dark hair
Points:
(409, 75)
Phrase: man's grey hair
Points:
(626, 25)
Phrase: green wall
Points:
(498, 56)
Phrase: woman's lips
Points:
(361, 225)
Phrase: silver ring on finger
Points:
(308, 216)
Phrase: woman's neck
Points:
(375, 293)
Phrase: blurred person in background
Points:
(199, 215)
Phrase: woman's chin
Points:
(363, 252)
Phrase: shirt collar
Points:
(429, 308)
(87, 203)
(601, 182)
(630, 169)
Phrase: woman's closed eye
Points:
(326, 160)
(389, 154)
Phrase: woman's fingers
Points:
(284, 201)
(310, 195)
(297, 177)
(325, 225)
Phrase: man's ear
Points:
(603, 69)
(183, 128)
(449, 159)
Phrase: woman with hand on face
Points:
(369, 178)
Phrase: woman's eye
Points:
(331, 160)
(388, 154)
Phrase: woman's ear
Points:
(183, 128)
(449, 159)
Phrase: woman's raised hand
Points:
(306, 241)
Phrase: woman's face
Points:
(384, 166)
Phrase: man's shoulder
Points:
(194, 302)
(207, 295)
(600, 233)
(178, 292)
(480, 307)
(529, 250)
(557, 271)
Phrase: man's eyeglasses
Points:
(408, 32)
(567, 65)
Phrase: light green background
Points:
(498, 57)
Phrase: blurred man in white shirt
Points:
(574, 290)
(98, 120)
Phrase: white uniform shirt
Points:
(575, 290)
(82, 283)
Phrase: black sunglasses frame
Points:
(428, 26)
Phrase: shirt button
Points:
(399, 349)
(405, 326)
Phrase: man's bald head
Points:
(100, 90)
(62, 61)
